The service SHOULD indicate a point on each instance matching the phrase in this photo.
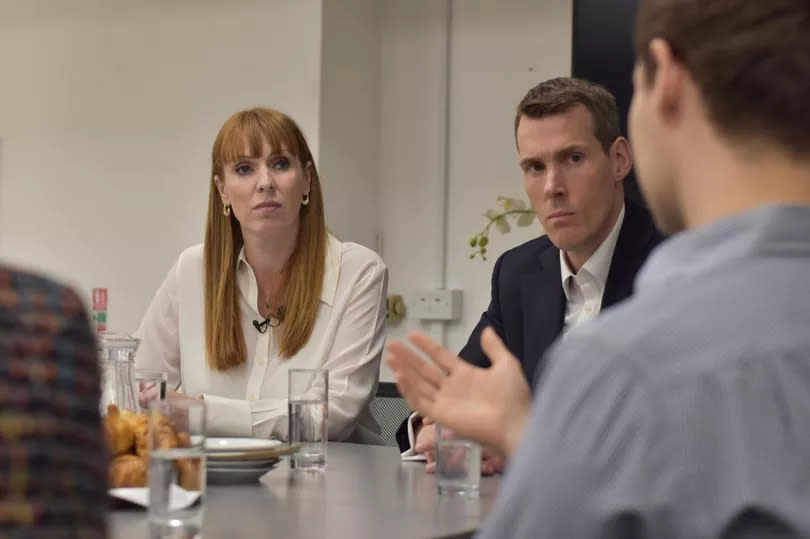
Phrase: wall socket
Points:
(439, 304)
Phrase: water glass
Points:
(150, 384)
(458, 464)
(308, 396)
(176, 467)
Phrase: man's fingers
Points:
(405, 361)
(425, 440)
(424, 447)
(418, 380)
(430, 467)
(427, 421)
(417, 393)
(493, 346)
(440, 355)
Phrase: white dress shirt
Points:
(585, 288)
(251, 399)
(583, 294)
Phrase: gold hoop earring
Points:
(227, 210)
(305, 201)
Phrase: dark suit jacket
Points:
(527, 309)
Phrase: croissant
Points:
(183, 439)
(127, 471)
(165, 436)
(119, 433)
(189, 473)
(128, 432)
(140, 426)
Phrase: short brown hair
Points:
(750, 59)
(556, 96)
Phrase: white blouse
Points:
(251, 400)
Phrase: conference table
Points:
(366, 492)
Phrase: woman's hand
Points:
(180, 395)
(147, 392)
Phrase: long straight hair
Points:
(224, 339)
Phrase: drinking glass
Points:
(458, 463)
(176, 467)
(308, 396)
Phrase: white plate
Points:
(233, 476)
(216, 456)
(220, 445)
(179, 498)
(236, 464)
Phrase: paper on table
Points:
(180, 498)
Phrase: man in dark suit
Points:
(574, 161)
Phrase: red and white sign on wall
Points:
(99, 299)
(100, 308)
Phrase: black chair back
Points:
(388, 408)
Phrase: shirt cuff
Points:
(227, 417)
(410, 454)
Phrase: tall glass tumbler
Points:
(308, 410)
(176, 467)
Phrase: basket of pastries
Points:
(127, 435)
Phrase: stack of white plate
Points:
(240, 460)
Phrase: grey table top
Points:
(366, 492)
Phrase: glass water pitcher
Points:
(117, 356)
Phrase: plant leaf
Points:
(518, 204)
(526, 219)
(502, 226)
(492, 214)
(505, 202)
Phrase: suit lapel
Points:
(543, 309)
(636, 239)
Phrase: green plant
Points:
(507, 208)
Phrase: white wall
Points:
(498, 50)
(108, 110)
(350, 117)
(412, 149)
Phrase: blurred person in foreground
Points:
(53, 464)
(684, 412)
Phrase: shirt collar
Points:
(598, 265)
(772, 230)
(334, 249)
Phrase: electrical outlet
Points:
(439, 304)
